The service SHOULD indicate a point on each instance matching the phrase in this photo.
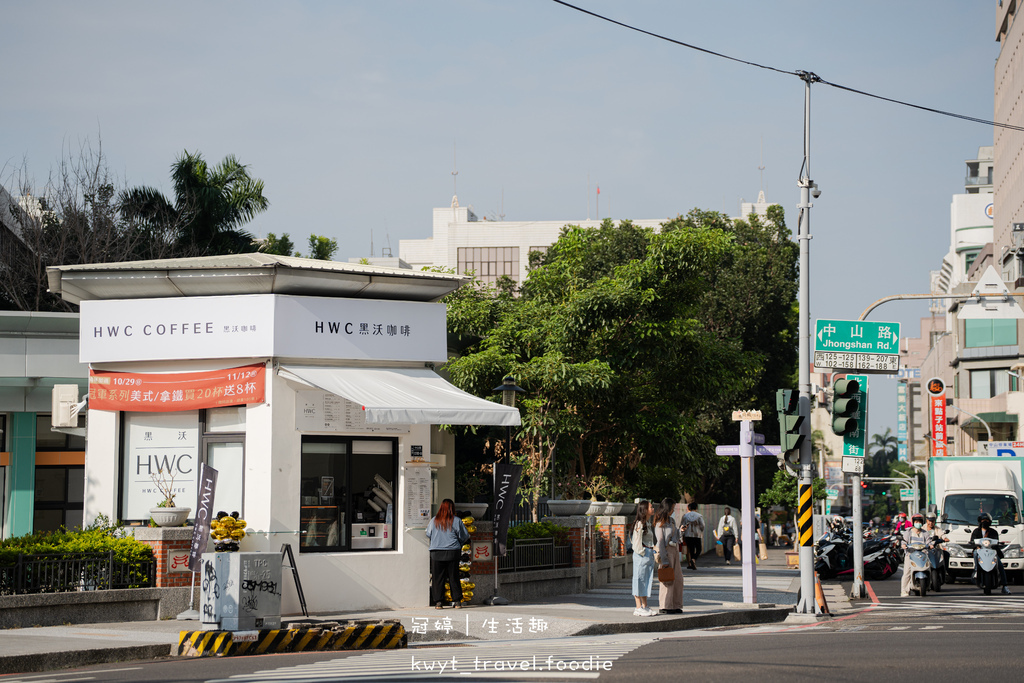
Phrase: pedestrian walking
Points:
(666, 534)
(726, 533)
(447, 535)
(693, 534)
(642, 540)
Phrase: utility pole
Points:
(805, 513)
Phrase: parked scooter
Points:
(986, 563)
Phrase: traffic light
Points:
(787, 403)
(845, 404)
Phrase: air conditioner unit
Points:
(1017, 235)
(63, 401)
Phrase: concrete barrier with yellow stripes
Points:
(350, 635)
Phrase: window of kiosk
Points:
(346, 494)
(170, 447)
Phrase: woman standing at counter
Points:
(447, 535)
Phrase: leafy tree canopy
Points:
(634, 346)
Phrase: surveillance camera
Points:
(815, 193)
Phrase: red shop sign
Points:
(176, 391)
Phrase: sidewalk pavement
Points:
(713, 597)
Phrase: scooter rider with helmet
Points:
(914, 534)
(985, 530)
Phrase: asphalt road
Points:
(956, 635)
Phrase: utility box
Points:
(241, 591)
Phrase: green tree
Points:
(630, 357)
(280, 246)
(322, 248)
(882, 453)
(783, 491)
(211, 204)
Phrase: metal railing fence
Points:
(63, 572)
(526, 554)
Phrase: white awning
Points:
(404, 395)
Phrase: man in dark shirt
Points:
(985, 530)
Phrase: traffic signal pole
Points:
(805, 513)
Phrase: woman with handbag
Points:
(670, 571)
(642, 540)
(447, 535)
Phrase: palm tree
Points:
(210, 206)
(883, 452)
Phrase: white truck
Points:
(963, 488)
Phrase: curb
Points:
(352, 635)
(49, 661)
(685, 623)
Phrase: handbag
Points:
(666, 575)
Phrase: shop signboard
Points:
(176, 391)
(261, 326)
(936, 389)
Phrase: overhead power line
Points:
(803, 75)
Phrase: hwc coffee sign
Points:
(159, 445)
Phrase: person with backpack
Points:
(693, 534)
(726, 533)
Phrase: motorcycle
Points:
(834, 556)
(920, 567)
(986, 560)
(938, 559)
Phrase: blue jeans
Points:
(643, 571)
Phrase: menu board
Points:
(417, 495)
(322, 411)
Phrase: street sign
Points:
(758, 450)
(853, 464)
(832, 493)
(907, 494)
(857, 336)
(739, 415)
(857, 345)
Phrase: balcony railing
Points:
(62, 573)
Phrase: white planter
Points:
(475, 509)
(169, 516)
(567, 508)
(613, 509)
(597, 508)
(628, 509)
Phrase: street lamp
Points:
(508, 391)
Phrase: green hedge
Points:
(100, 537)
(540, 530)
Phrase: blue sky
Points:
(349, 111)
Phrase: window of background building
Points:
(978, 333)
(49, 440)
(969, 257)
(489, 263)
(59, 493)
(990, 382)
(343, 506)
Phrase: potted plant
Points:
(572, 497)
(470, 483)
(597, 486)
(166, 513)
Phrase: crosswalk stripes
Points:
(548, 658)
(992, 603)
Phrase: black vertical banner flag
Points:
(506, 482)
(204, 513)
